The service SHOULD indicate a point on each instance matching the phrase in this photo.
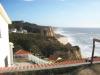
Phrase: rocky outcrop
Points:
(47, 32)
(73, 52)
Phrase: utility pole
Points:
(94, 40)
(93, 51)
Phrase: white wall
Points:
(4, 38)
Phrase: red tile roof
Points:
(39, 66)
(33, 67)
(22, 52)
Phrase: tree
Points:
(35, 50)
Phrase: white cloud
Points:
(29, 0)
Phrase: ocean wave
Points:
(86, 51)
(83, 39)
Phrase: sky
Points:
(59, 13)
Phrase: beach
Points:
(63, 40)
(60, 37)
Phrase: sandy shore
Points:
(63, 40)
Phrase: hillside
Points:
(40, 40)
(30, 27)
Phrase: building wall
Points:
(4, 39)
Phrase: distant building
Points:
(14, 30)
(5, 51)
(22, 55)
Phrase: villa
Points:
(6, 57)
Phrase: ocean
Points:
(83, 37)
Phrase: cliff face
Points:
(70, 53)
(77, 52)
(48, 32)
(73, 52)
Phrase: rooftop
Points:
(22, 52)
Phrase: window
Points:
(6, 61)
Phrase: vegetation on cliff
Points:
(39, 43)
(35, 43)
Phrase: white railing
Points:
(36, 59)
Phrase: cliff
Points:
(43, 40)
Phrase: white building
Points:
(5, 53)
